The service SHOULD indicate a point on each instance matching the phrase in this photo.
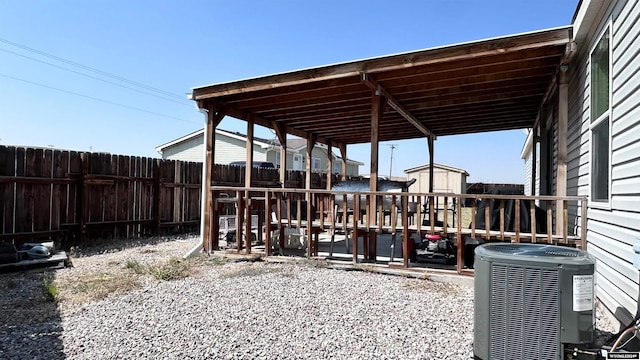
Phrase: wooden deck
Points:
(511, 218)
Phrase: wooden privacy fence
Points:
(78, 197)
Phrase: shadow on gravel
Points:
(30, 323)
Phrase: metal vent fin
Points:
(534, 250)
(524, 301)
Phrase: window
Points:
(315, 164)
(600, 119)
(278, 159)
(337, 167)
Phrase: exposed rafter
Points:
(371, 82)
(488, 85)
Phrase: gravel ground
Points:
(232, 310)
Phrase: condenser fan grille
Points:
(534, 250)
(524, 301)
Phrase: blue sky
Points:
(112, 76)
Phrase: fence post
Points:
(157, 166)
(82, 198)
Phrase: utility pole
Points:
(393, 146)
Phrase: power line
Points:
(88, 68)
(96, 78)
(95, 98)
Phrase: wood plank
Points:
(501, 219)
(371, 82)
(534, 224)
(24, 192)
(549, 222)
(517, 221)
(7, 190)
(554, 37)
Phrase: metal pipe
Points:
(615, 345)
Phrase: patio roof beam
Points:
(371, 82)
(465, 51)
(244, 115)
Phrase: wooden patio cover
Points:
(488, 85)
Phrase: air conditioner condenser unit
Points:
(532, 301)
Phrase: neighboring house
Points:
(230, 147)
(602, 143)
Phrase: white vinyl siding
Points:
(612, 229)
(227, 150)
(600, 86)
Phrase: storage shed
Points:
(446, 179)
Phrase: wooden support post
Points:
(460, 238)
(532, 205)
(561, 179)
(501, 219)
(329, 165)
(248, 235)
(405, 233)
(549, 222)
(516, 226)
(430, 144)
(267, 223)
(343, 153)
(240, 207)
(282, 138)
(377, 104)
(356, 213)
(214, 116)
(248, 169)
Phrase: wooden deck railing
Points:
(512, 218)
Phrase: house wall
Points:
(527, 172)
(320, 153)
(227, 149)
(611, 230)
(189, 150)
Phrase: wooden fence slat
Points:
(7, 190)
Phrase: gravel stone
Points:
(237, 310)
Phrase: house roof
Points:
(236, 135)
(486, 85)
(292, 144)
(438, 166)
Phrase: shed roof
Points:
(435, 166)
(487, 85)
